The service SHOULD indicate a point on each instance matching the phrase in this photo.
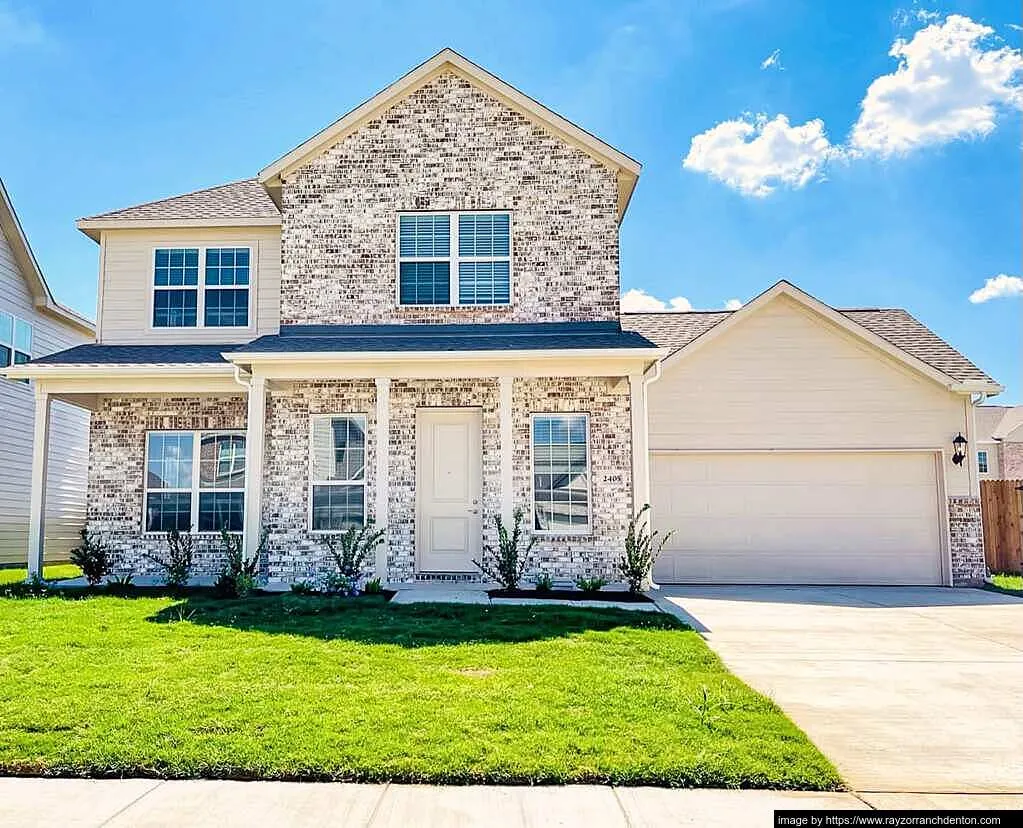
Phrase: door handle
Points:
(473, 511)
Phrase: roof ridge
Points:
(155, 201)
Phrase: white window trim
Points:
(983, 468)
(195, 488)
(358, 415)
(582, 531)
(201, 287)
(453, 258)
(14, 349)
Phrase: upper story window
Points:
(982, 462)
(15, 341)
(474, 247)
(221, 300)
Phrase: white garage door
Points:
(798, 518)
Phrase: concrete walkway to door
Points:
(904, 689)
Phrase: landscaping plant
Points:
(373, 587)
(642, 548)
(119, 584)
(304, 588)
(507, 563)
(92, 557)
(238, 578)
(350, 550)
(177, 565)
(591, 584)
(544, 582)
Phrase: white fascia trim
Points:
(442, 356)
(977, 387)
(92, 227)
(112, 370)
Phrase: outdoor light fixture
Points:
(959, 449)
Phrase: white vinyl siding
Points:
(126, 274)
(69, 435)
(458, 258)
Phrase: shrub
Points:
(177, 565)
(373, 587)
(238, 578)
(119, 585)
(544, 582)
(592, 584)
(350, 550)
(92, 557)
(304, 588)
(507, 563)
(641, 550)
(337, 584)
(33, 587)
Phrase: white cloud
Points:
(772, 61)
(733, 304)
(637, 301)
(755, 155)
(19, 29)
(948, 86)
(998, 287)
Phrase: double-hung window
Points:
(982, 462)
(195, 480)
(338, 472)
(15, 341)
(561, 473)
(220, 299)
(472, 248)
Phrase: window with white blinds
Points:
(476, 247)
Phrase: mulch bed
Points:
(618, 595)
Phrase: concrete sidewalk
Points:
(145, 803)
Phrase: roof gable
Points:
(448, 60)
(12, 230)
(892, 331)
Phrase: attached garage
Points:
(793, 443)
(798, 517)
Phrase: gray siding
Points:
(69, 435)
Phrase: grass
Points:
(51, 572)
(1004, 582)
(298, 687)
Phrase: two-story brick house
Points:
(410, 318)
(413, 318)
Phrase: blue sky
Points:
(899, 196)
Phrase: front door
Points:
(449, 487)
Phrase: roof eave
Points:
(93, 227)
(504, 355)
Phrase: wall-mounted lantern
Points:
(958, 449)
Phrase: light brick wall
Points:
(1011, 456)
(117, 452)
(966, 534)
(449, 146)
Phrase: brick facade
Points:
(1010, 457)
(117, 460)
(449, 146)
(966, 536)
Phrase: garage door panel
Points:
(823, 517)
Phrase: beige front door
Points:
(449, 488)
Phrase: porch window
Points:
(474, 246)
(195, 480)
(338, 472)
(220, 301)
(15, 341)
(561, 473)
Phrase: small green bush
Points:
(238, 578)
(177, 564)
(32, 587)
(507, 563)
(592, 584)
(350, 551)
(119, 584)
(335, 583)
(544, 582)
(92, 557)
(373, 587)
(642, 548)
(304, 588)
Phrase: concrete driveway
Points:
(904, 689)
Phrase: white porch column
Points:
(507, 455)
(255, 449)
(640, 443)
(383, 474)
(37, 494)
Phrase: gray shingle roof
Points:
(137, 355)
(676, 329)
(238, 200)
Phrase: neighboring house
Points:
(413, 318)
(999, 453)
(33, 324)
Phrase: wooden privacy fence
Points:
(1001, 503)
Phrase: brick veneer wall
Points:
(966, 535)
(1011, 456)
(449, 146)
(117, 452)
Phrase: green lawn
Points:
(51, 572)
(1008, 583)
(314, 688)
